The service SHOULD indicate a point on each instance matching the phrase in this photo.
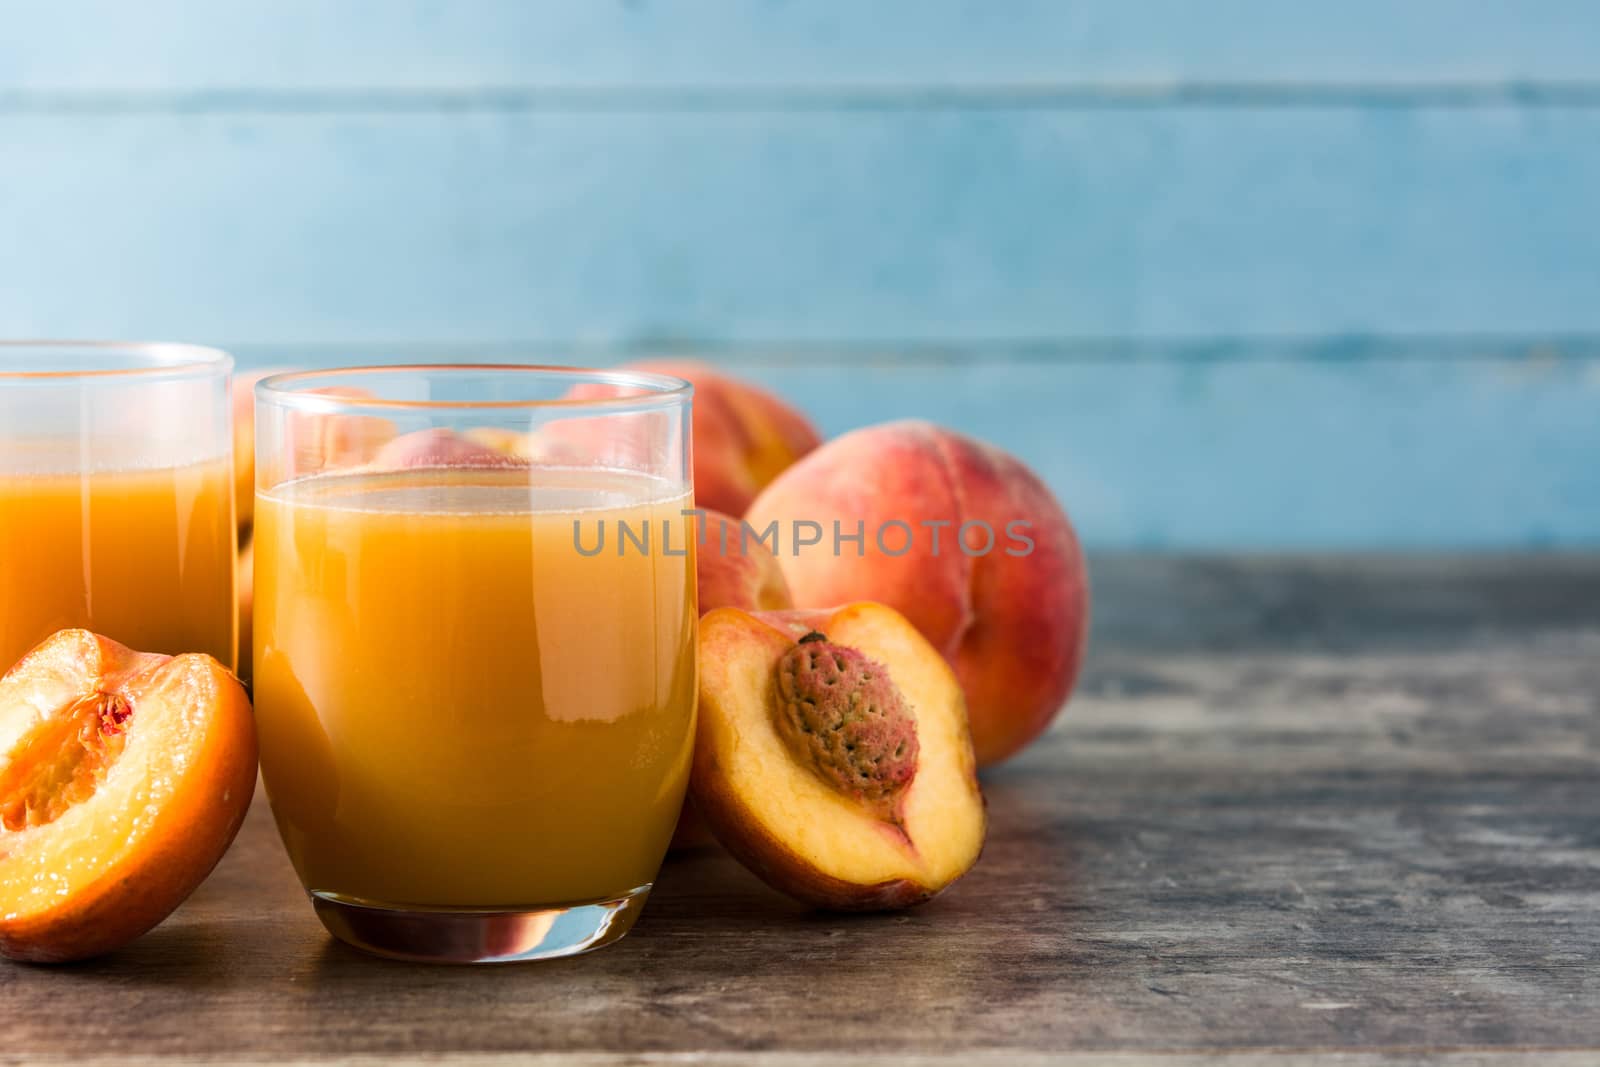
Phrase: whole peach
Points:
(744, 437)
(961, 538)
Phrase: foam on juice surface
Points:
(479, 491)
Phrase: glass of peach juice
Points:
(474, 649)
(116, 498)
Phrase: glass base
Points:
(477, 935)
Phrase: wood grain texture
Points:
(1303, 805)
(288, 44)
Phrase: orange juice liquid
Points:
(459, 708)
(145, 557)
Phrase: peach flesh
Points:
(60, 761)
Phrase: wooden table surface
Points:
(1298, 806)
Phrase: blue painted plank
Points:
(800, 226)
(1353, 445)
(167, 45)
(1407, 454)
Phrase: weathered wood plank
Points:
(168, 44)
(1007, 1058)
(941, 227)
(1230, 845)
(1342, 604)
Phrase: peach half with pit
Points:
(124, 776)
(833, 757)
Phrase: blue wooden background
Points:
(1235, 273)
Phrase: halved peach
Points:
(833, 757)
(123, 778)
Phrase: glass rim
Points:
(161, 360)
(656, 390)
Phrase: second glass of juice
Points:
(116, 498)
(474, 649)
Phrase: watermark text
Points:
(889, 537)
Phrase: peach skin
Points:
(734, 571)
